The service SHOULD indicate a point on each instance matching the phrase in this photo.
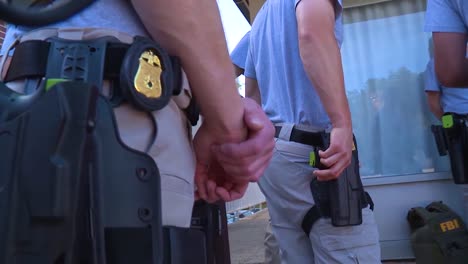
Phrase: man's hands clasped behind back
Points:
(225, 164)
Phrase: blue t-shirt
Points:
(111, 14)
(447, 16)
(239, 54)
(287, 94)
(454, 100)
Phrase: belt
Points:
(303, 137)
(461, 116)
(30, 60)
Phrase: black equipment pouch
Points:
(205, 242)
(342, 199)
(212, 220)
(184, 245)
(439, 235)
(456, 130)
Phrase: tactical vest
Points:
(439, 235)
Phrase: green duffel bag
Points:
(439, 235)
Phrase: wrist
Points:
(227, 125)
(342, 121)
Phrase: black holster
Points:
(65, 197)
(341, 199)
(70, 190)
(205, 242)
(452, 137)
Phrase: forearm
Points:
(198, 40)
(321, 58)
(451, 64)
(252, 90)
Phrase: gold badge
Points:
(148, 77)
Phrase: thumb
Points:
(253, 115)
(254, 123)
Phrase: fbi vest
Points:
(439, 235)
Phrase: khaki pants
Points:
(172, 149)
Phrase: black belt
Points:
(30, 60)
(303, 137)
(461, 116)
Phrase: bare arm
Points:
(252, 90)
(433, 99)
(193, 31)
(451, 64)
(321, 58)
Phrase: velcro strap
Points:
(30, 60)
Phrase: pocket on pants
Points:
(346, 238)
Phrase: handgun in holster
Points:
(341, 199)
(456, 130)
(65, 197)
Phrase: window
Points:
(385, 52)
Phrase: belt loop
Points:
(285, 132)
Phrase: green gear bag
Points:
(439, 235)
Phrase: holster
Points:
(341, 199)
(456, 131)
(64, 196)
(440, 139)
(70, 190)
(205, 242)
